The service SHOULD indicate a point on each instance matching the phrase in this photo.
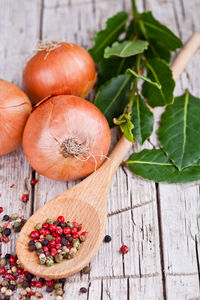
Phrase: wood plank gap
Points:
(70, 280)
(32, 194)
(182, 274)
(161, 242)
(88, 291)
(101, 290)
(129, 208)
(128, 289)
(176, 20)
(197, 256)
(182, 8)
(41, 20)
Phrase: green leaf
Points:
(114, 27)
(179, 132)
(126, 48)
(112, 67)
(126, 126)
(112, 97)
(159, 71)
(152, 29)
(129, 71)
(142, 119)
(157, 50)
(155, 165)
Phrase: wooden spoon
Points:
(85, 203)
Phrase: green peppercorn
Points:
(76, 245)
(49, 262)
(3, 261)
(59, 292)
(70, 225)
(16, 224)
(58, 258)
(86, 270)
(49, 221)
(38, 245)
(14, 217)
(49, 237)
(57, 286)
(19, 285)
(70, 255)
(4, 282)
(1, 229)
(38, 226)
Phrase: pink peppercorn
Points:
(5, 239)
(1, 209)
(60, 219)
(124, 249)
(2, 270)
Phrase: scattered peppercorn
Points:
(1, 209)
(124, 249)
(107, 238)
(83, 290)
(54, 241)
(86, 270)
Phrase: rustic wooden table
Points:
(160, 223)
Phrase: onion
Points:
(15, 108)
(59, 68)
(66, 138)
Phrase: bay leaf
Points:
(179, 132)
(155, 165)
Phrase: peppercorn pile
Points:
(14, 277)
(54, 241)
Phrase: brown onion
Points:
(15, 108)
(59, 68)
(66, 138)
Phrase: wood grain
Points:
(77, 21)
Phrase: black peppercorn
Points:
(6, 232)
(64, 242)
(26, 284)
(29, 276)
(69, 238)
(23, 221)
(42, 280)
(83, 290)
(6, 298)
(63, 280)
(63, 224)
(32, 247)
(11, 287)
(56, 222)
(107, 238)
(31, 242)
(45, 242)
(18, 229)
(7, 256)
(49, 289)
(6, 218)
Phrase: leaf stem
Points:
(134, 7)
(128, 108)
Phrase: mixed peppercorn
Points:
(54, 241)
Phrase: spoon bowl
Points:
(74, 209)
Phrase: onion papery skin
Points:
(56, 121)
(15, 108)
(67, 69)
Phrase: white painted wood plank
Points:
(19, 23)
(145, 289)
